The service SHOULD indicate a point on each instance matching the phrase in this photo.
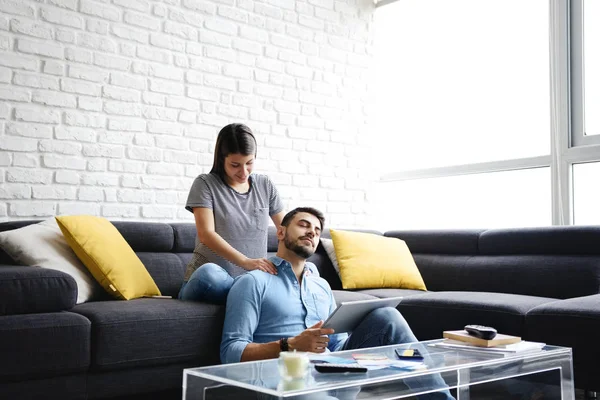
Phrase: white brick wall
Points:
(112, 107)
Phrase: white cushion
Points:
(44, 245)
(330, 250)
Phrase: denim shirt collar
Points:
(281, 263)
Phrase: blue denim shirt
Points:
(263, 308)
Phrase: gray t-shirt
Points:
(242, 219)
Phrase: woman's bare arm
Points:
(277, 218)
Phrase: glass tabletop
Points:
(264, 377)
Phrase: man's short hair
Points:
(290, 215)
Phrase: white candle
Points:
(293, 364)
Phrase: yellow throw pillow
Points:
(107, 255)
(371, 261)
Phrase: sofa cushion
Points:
(142, 383)
(325, 267)
(330, 250)
(43, 345)
(108, 256)
(430, 314)
(385, 293)
(28, 290)
(71, 387)
(439, 241)
(43, 245)
(144, 332)
(7, 226)
(570, 323)
(573, 240)
(146, 236)
(184, 240)
(374, 261)
(555, 276)
(167, 270)
(442, 272)
(5, 259)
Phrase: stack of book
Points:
(500, 343)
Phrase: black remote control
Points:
(481, 332)
(339, 368)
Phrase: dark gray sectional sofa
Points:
(542, 284)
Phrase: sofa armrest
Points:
(26, 290)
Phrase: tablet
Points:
(349, 314)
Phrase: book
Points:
(522, 346)
(463, 336)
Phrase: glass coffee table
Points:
(461, 370)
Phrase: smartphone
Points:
(409, 354)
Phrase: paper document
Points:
(507, 348)
(379, 361)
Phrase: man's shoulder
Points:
(250, 279)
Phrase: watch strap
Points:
(283, 344)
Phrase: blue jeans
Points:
(386, 326)
(209, 283)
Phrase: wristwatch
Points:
(283, 344)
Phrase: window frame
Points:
(578, 137)
(569, 145)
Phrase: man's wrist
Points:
(284, 344)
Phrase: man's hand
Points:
(313, 339)
(262, 264)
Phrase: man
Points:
(267, 314)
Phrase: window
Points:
(586, 193)
(585, 71)
(591, 40)
(487, 113)
(503, 199)
(462, 81)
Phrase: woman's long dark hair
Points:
(232, 139)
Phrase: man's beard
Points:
(299, 250)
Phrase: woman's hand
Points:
(262, 264)
(313, 339)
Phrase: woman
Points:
(232, 209)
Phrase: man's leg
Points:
(209, 283)
(381, 327)
(386, 326)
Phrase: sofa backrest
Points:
(164, 249)
(559, 262)
(163, 252)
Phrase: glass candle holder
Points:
(293, 365)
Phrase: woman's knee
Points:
(209, 272)
(209, 282)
